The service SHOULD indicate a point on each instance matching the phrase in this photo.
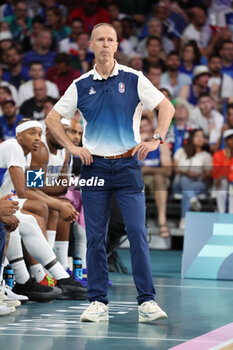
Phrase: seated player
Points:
(12, 164)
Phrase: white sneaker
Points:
(4, 309)
(150, 311)
(195, 204)
(5, 289)
(9, 302)
(96, 312)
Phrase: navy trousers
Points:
(2, 242)
(124, 178)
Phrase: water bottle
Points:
(77, 267)
(8, 276)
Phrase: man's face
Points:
(215, 65)
(47, 107)
(21, 10)
(146, 130)
(62, 68)
(9, 110)
(136, 62)
(199, 16)
(13, 57)
(104, 43)
(36, 71)
(154, 75)
(153, 48)
(173, 63)
(155, 28)
(4, 96)
(31, 138)
(205, 105)
(45, 39)
(82, 41)
(51, 139)
(229, 142)
(229, 117)
(40, 90)
(227, 52)
(119, 28)
(76, 27)
(74, 132)
(181, 114)
(202, 80)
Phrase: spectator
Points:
(33, 107)
(5, 43)
(5, 94)
(226, 54)
(154, 75)
(91, 14)
(55, 23)
(20, 22)
(223, 174)
(190, 57)
(167, 90)
(46, 4)
(83, 57)
(9, 120)
(207, 118)
(129, 32)
(192, 167)
(62, 74)
(114, 12)
(155, 28)
(41, 50)
(221, 84)
(38, 23)
(124, 44)
(135, 62)
(17, 73)
(13, 90)
(26, 90)
(153, 46)
(220, 144)
(6, 9)
(198, 29)
(191, 92)
(172, 76)
(48, 105)
(69, 44)
(179, 131)
(155, 169)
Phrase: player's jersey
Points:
(11, 154)
(111, 108)
(55, 162)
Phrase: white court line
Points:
(176, 286)
(106, 337)
(220, 346)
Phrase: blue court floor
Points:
(194, 307)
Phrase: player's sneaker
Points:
(48, 281)
(9, 302)
(82, 282)
(5, 289)
(71, 289)
(150, 311)
(5, 310)
(95, 312)
(36, 292)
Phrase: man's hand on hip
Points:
(143, 148)
(82, 153)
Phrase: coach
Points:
(110, 99)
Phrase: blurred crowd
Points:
(185, 49)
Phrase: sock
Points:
(20, 271)
(1, 273)
(61, 251)
(37, 271)
(58, 272)
(80, 243)
(15, 253)
(51, 234)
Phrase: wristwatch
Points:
(158, 137)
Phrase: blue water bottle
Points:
(78, 267)
(8, 276)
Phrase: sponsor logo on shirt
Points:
(92, 91)
(121, 87)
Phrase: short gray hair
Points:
(102, 25)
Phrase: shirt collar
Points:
(97, 76)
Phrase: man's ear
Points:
(91, 45)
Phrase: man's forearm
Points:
(53, 122)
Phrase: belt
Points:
(127, 154)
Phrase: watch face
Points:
(156, 136)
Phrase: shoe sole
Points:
(161, 316)
(72, 297)
(90, 319)
(43, 297)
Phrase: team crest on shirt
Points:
(121, 87)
